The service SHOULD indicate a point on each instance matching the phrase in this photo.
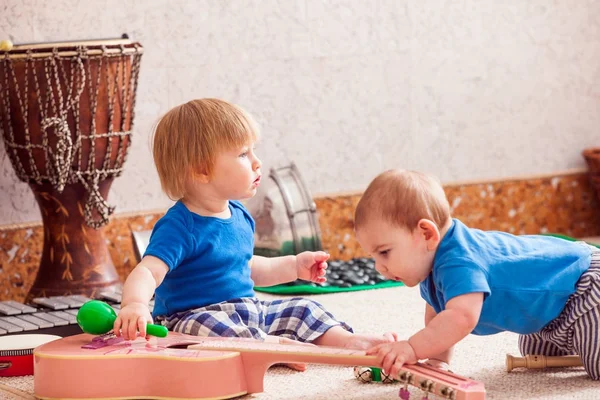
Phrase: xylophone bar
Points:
(54, 315)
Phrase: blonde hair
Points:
(402, 198)
(188, 138)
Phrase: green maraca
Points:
(97, 318)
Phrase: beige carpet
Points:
(401, 309)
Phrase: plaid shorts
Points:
(297, 318)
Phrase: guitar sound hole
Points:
(180, 345)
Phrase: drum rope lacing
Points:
(55, 107)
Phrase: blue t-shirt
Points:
(526, 280)
(208, 258)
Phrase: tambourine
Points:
(16, 353)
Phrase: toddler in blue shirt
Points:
(199, 263)
(546, 289)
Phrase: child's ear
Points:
(430, 232)
(200, 175)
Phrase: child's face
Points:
(236, 173)
(399, 254)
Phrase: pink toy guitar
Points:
(190, 367)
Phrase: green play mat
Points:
(309, 288)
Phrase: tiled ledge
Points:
(592, 240)
(545, 204)
(561, 203)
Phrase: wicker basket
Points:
(592, 157)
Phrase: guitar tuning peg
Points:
(406, 378)
(448, 393)
(404, 394)
(427, 387)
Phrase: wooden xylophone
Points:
(54, 315)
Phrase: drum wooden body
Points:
(66, 115)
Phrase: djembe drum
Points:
(66, 116)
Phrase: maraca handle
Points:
(157, 330)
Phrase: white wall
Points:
(470, 89)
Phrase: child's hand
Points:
(392, 356)
(132, 318)
(311, 266)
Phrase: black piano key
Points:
(6, 309)
(7, 326)
(41, 323)
(51, 318)
(53, 304)
(21, 323)
(24, 308)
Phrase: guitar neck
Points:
(286, 352)
(441, 383)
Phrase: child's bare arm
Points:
(444, 357)
(269, 271)
(141, 282)
(137, 292)
(442, 332)
(308, 265)
(448, 327)
(429, 314)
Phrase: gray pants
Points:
(576, 331)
